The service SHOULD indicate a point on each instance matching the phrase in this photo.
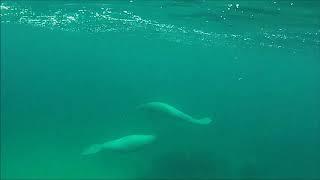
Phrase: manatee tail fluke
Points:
(203, 121)
(95, 148)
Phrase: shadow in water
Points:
(187, 165)
(249, 170)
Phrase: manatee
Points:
(124, 144)
(170, 111)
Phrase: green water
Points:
(73, 73)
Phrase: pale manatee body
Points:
(171, 111)
(124, 144)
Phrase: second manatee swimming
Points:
(124, 144)
(170, 111)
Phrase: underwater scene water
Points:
(161, 89)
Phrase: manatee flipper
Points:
(93, 149)
(203, 121)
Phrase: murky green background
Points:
(73, 73)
